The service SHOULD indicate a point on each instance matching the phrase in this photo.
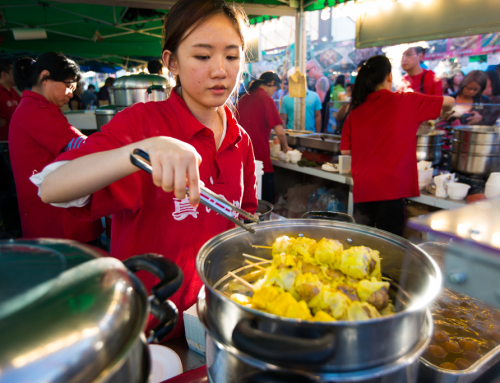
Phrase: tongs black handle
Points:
(207, 197)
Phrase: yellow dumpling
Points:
(328, 252)
(263, 298)
(242, 299)
(321, 316)
(284, 244)
(299, 311)
(360, 262)
(361, 311)
(305, 247)
(281, 304)
(366, 288)
(281, 276)
(307, 286)
(333, 302)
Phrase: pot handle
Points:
(281, 348)
(168, 272)
(168, 316)
(276, 377)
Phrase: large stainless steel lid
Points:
(140, 81)
(67, 314)
(106, 110)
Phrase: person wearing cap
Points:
(155, 67)
(258, 115)
(418, 79)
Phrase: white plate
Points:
(165, 363)
(331, 169)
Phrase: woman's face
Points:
(457, 79)
(208, 63)
(488, 91)
(58, 92)
(471, 89)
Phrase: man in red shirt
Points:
(418, 79)
(9, 98)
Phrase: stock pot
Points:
(429, 145)
(129, 90)
(319, 347)
(70, 314)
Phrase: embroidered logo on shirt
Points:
(183, 209)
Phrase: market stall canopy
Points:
(406, 21)
(113, 32)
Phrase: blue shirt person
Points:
(313, 111)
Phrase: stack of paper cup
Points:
(259, 172)
(492, 188)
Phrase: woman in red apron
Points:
(38, 133)
(191, 136)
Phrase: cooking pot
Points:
(128, 90)
(429, 145)
(478, 134)
(240, 368)
(264, 210)
(319, 347)
(329, 215)
(475, 164)
(103, 115)
(70, 314)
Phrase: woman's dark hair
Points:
(477, 76)
(27, 70)
(449, 80)
(187, 15)
(155, 66)
(266, 78)
(340, 80)
(495, 82)
(373, 72)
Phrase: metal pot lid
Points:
(107, 110)
(77, 330)
(140, 81)
(478, 129)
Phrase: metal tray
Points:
(431, 373)
(292, 136)
(321, 141)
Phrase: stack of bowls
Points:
(492, 188)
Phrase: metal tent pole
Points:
(300, 62)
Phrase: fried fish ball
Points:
(360, 262)
(448, 366)
(374, 292)
(436, 351)
(441, 336)
(469, 345)
(321, 316)
(328, 252)
(299, 311)
(281, 304)
(452, 347)
(263, 298)
(462, 363)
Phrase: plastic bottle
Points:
(276, 147)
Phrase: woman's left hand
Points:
(474, 119)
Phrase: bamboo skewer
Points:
(257, 258)
(241, 280)
(262, 247)
(255, 265)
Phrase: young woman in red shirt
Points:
(191, 136)
(38, 133)
(380, 135)
(258, 115)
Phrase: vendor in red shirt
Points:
(380, 135)
(39, 132)
(258, 115)
(191, 136)
(418, 79)
(9, 98)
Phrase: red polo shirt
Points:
(38, 133)
(381, 134)
(431, 85)
(258, 115)
(148, 220)
(9, 99)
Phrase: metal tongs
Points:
(207, 197)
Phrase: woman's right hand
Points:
(175, 166)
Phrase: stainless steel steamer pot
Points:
(318, 346)
(129, 90)
(69, 314)
(104, 115)
(429, 145)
